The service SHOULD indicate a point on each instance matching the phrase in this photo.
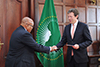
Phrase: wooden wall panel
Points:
(2, 31)
(82, 12)
(13, 11)
(91, 15)
(2, 16)
(70, 1)
(98, 15)
(81, 2)
(59, 13)
(93, 31)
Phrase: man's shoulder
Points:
(81, 23)
(20, 31)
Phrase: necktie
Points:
(72, 35)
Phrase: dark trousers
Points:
(73, 63)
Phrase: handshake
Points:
(53, 48)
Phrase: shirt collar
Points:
(75, 23)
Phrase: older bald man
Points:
(22, 45)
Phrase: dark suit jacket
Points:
(21, 50)
(81, 37)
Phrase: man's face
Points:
(29, 27)
(72, 18)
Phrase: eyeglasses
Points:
(29, 24)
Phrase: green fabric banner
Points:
(48, 34)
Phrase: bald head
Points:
(27, 20)
(27, 23)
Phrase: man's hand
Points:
(53, 48)
(76, 46)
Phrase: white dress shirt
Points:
(75, 24)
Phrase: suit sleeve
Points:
(28, 40)
(87, 39)
(63, 40)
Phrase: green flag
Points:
(48, 34)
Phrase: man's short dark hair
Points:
(74, 10)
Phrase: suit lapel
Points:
(70, 31)
(76, 30)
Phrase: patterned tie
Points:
(72, 35)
